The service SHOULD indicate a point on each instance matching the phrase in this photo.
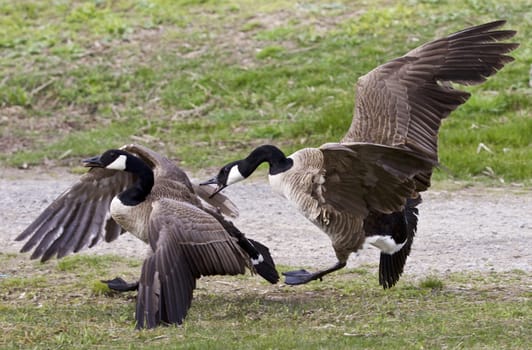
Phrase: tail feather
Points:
(391, 266)
(266, 267)
(259, 255)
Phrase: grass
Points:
(205, 81)
(56, 305)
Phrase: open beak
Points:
(93, 162)
(214, 181)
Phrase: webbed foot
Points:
(119, 285)
(303, 276)
(299, 277)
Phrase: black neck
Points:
(267, 153)
(138, 192)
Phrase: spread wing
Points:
(187, 244)
(360, 177)
(402, 102)
(78, 218)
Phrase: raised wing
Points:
(402, 103)
(78, 218)
(363, 177)
(187, 243)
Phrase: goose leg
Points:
(119, 285)
(303, 276)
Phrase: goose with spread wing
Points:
(365, 188)
(135, 189)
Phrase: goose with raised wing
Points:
(365, 188)
(134, 189)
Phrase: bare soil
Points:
(473, 229)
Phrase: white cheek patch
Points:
(385, 243)
(234, 176)
(118, 164)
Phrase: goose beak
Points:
(214, 181)
(93, 162)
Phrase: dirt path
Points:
(474, 229)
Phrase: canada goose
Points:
(366, 187)
(135, 189)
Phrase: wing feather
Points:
(218, 201)
(402, 102)
(188, 243)
(360, 177)
(78, 218)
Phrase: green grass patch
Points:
(347, 310)
(77, 262)
(206, 81)
(431, 282)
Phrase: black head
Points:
(111, 159)
(228, 175)
(242, 169)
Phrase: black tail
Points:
(258, 253)
(265, 268)
(391, 266)
(261, 259)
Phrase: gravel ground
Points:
(476, 229)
